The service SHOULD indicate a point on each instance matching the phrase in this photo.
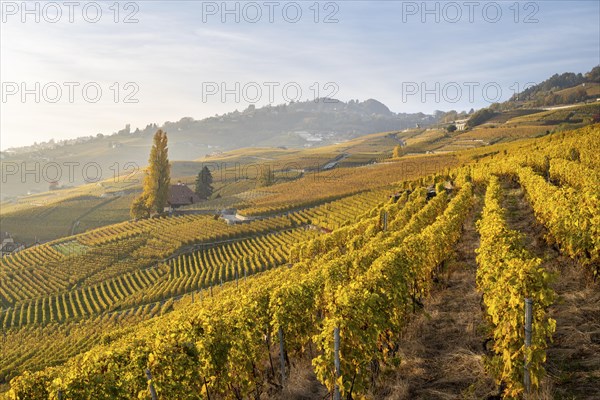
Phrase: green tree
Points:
(266, 177)
(480, 116)
(593, 75)
(204, 182)
(451, 128)
(157, 180)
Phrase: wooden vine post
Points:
(336, 362)
(150, 385)
(528, 332)
(281, 356)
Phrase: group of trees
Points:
(554, 83)
(453, 115)
(479, 117)
(451, 128)
(552, 91)
(571, 96)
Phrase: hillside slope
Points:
(389, 275)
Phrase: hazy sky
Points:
(175, 58)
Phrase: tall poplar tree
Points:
(157, 180)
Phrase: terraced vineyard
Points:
(335, 214)
(92, 274)
(90, 277)
(208, 307)
(102, 278)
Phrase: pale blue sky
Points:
(376, 50)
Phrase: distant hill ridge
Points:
(548, 92)
(263, 126)
(294, 125)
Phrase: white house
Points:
(8, 245)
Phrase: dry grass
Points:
(302, 384)
(574, 357)
(441, 350)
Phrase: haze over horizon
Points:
(170, 66)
